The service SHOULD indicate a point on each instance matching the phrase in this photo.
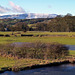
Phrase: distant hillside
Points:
(28, 16)
(10, 22)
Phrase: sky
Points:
(60, 7)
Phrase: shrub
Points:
(26, 35)
(56, 50)
(37, 50)
(1, 35)
(7, 35)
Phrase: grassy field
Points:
(11, 62)
(50, 33)
(41, 33)
(72, 52)
(60, 39)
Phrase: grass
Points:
(50, 33)
(62, 40)
(11, 62)
(5, 62)
(41, 33)
(72, 52)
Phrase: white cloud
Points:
(4, 10)
(14, 8)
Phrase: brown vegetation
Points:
(37, 50)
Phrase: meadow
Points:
(60, 37)
(10, 62)
(40, 33)
(72, 52)
(13, 63)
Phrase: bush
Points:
(7, 35)
(1, 35)
(26, 35)
(56, 50)
(37, 50)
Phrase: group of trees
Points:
(20, 26)
(58, 24)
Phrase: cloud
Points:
(4, 10)
(14, 8)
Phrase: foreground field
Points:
(19, 63)
(11, 61)
(69, 39)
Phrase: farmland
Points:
(47, 37)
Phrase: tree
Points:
(41, 26)
(21, 26)
(68, 14)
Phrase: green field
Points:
(47, 39)
(19, 63)
(62, 40)
(41, 33)
(72, 52)
(10, 62)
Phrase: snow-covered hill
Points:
(28, 16)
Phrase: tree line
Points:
(58, 24)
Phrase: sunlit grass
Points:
(72, 52)
(62, 40)
(40, 33)
(10, 62)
